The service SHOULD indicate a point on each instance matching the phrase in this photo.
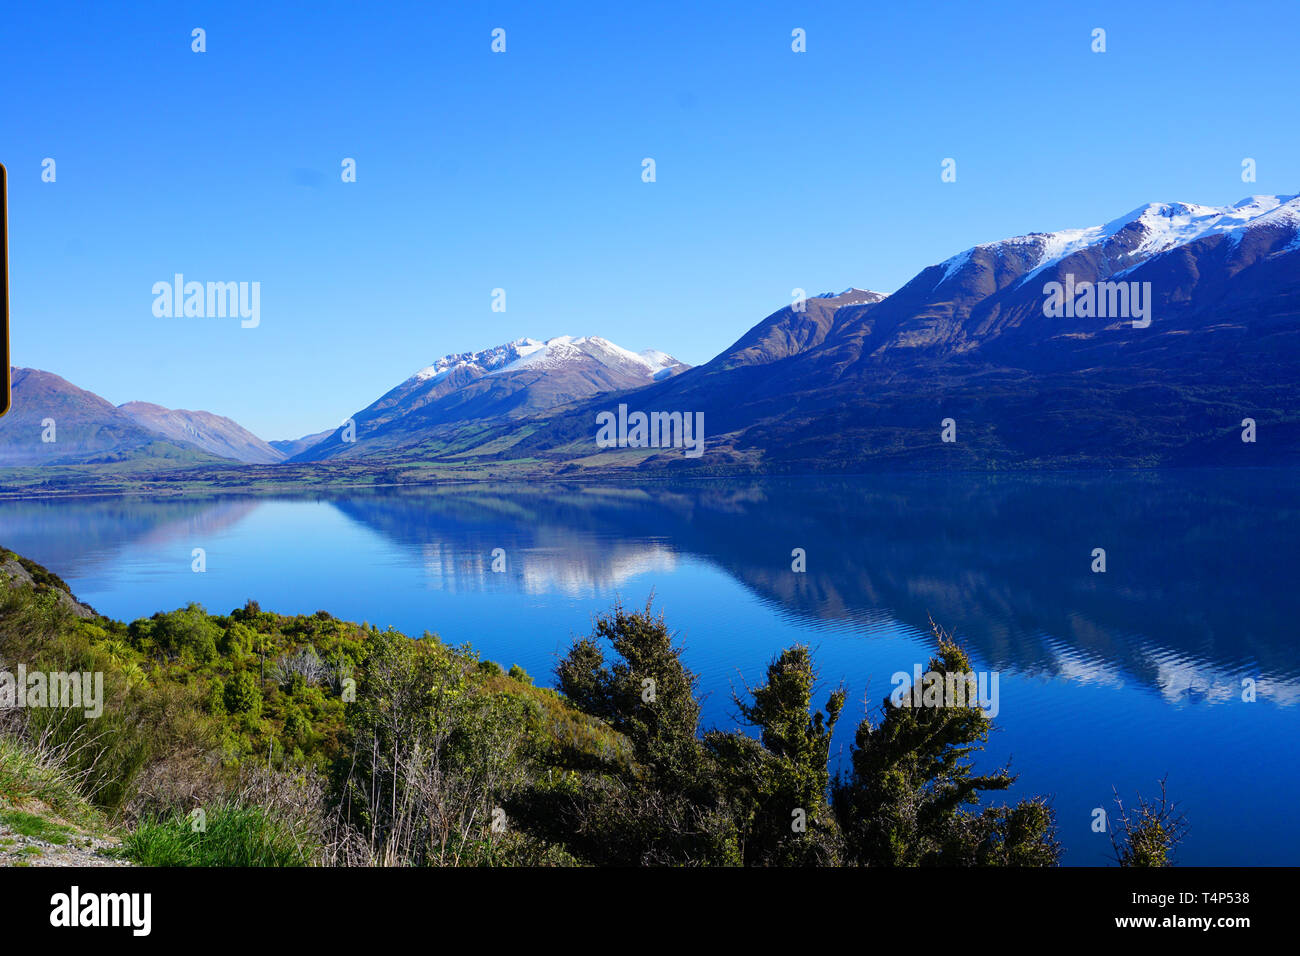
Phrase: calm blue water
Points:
(1106, 680)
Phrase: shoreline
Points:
(192, 482)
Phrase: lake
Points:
(1105, 680)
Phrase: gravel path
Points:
(79, 850)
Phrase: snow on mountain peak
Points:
(565, 349)
(484, 360)
(1167, 225)
(1162, 226)
(1286, 215)
(553, 353)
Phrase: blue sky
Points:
(522, 170)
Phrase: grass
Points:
(232, 836)
(36, 827)
(28, 773)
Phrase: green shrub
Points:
(217, 696)
(243, 695)
(237, 641)
(188, 632)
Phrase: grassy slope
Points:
(193, 703)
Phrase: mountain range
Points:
(510, 381)
(211, 433)
(1182, 321)
(52, 421)
(862, 380)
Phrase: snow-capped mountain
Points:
(1138, 235)
(561, 352)
(519, 378)
(862, 378)
(858, 379)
